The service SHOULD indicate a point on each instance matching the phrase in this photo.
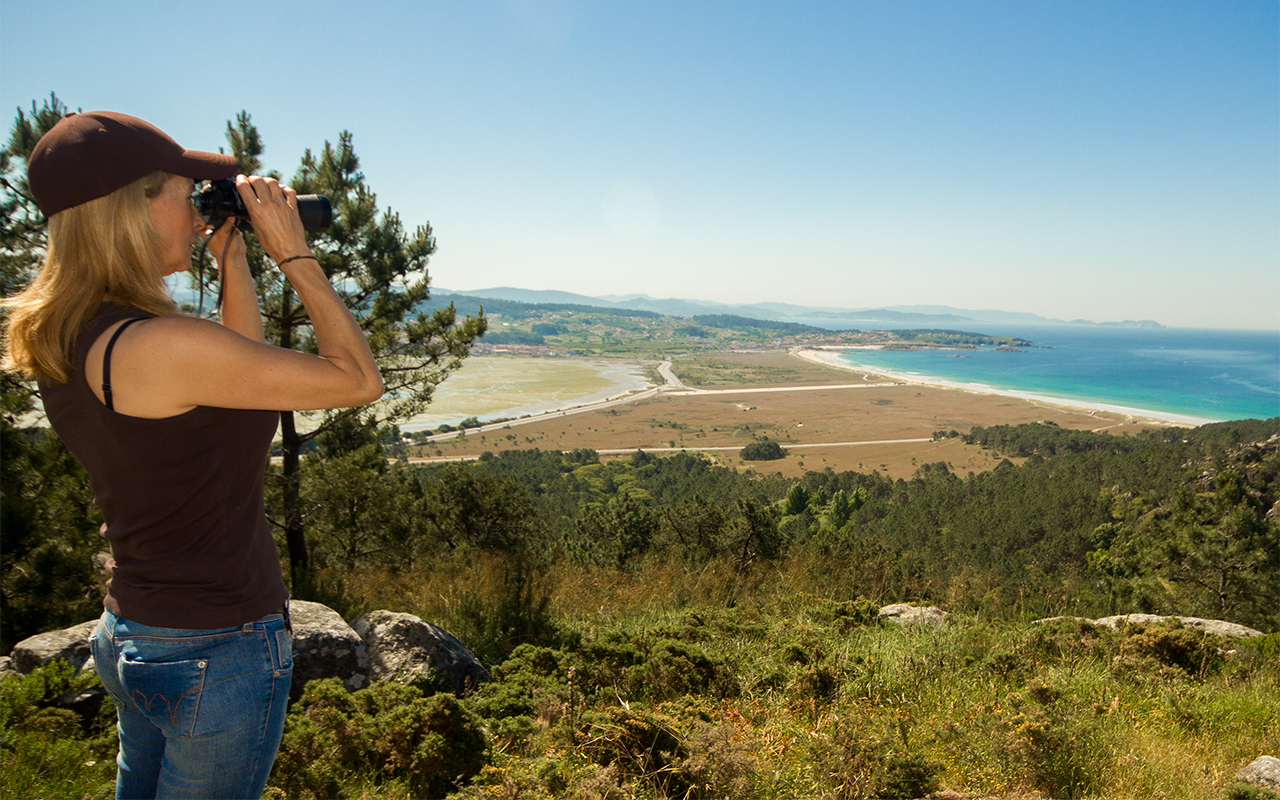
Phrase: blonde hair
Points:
(105, 248)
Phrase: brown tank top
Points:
(181, 497)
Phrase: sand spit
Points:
(830, 357)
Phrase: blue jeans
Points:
(201, 712)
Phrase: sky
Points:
(1077, 160)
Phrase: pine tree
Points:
(379, 269)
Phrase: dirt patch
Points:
(861, 427)
(777, 368)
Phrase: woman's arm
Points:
(273, 209)
(240, 310)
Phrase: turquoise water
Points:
(1205, 374)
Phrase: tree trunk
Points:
(294, 535)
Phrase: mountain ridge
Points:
(787, 312)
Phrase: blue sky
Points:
(1096, 160)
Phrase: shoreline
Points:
(830, 357)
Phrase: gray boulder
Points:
(6, 667)
(907, 614)
(406, 649)
(1263, 771)
(325, 646)
(1215, 626)
(70, 644)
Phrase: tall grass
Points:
(826, 703)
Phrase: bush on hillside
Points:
(385, 731)
(57, 734)
(763, 450)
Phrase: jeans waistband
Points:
(112, 624)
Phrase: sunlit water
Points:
(1196, 373)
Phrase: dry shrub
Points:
(855, 764)
(674, 749)
(642, 744)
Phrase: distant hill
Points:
(890, 317)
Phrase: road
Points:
(625, 450)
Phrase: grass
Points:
(488, 386)
(821, 701)
(770, 681)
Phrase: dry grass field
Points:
(827, 418)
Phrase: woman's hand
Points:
(273, 212)
(225, 244)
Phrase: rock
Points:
(85, 704)
(71, 644)
(6, 667)
(1263, 771)
(406, 649)
(906, 614)
(1215, 626)
(383, 645)
(325, 646)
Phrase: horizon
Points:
(920, 308)
(1090, 161)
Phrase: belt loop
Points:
(288, 621)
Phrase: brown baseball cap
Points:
(91, 154)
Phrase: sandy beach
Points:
(831, 357)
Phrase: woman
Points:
(172, 418)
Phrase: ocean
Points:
(1198, 375)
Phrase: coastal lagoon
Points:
(490, 387)
(1194, 375)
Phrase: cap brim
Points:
(202, 166)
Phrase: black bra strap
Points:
(106, 362)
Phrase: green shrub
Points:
(530, 691)
(847, 615)
(1063, 752)
(48, 749)
(763, 450)
(818, 682)
(1066, 639)
(1170, 650)
(386, 731)
(673, 669)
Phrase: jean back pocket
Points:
(166, 692)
